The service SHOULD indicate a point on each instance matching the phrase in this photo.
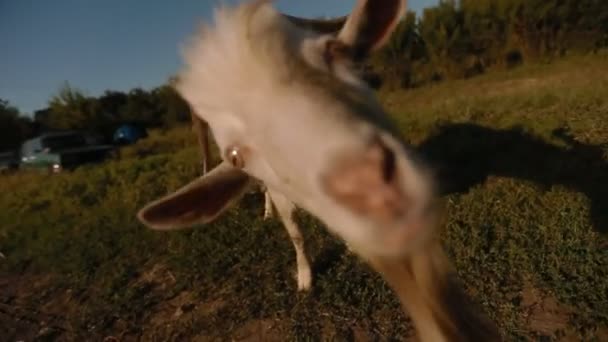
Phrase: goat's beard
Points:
(436, 302)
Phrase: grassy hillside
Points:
(523, 161)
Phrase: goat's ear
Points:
(370, 25)
(201, 201)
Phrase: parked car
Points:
(8, 161)
(61, 150)
(129, 134)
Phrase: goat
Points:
(281, 96)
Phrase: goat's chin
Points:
(395, 241)
(390, 250)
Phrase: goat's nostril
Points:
(368, 183)
(388, 164)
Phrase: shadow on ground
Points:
(466, 154)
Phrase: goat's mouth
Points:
(380, 186)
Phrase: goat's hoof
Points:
(304, 280)
(303, 287)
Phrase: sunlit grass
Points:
(526, 153)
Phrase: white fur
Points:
(259, 83)
(286, 108)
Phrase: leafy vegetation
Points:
(522, 156)
(71, 109)
(460, 39)
(13, 126)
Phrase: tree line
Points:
(71, 109)
(450, 40)
(466, 38)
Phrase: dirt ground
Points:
(51, 319)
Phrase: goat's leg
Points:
(267, 204)
(201, 128)
(286, 210)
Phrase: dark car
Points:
(9, 161)
(129, 134)
(62, 150)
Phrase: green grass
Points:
(523, 161)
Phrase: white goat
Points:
(286, 108)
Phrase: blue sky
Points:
(107, 44)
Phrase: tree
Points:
(446, 42)
(14, 128)
(173, 106)
(404, 48)
(71, 109)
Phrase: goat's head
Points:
(287, 107)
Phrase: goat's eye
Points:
(235, 157)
